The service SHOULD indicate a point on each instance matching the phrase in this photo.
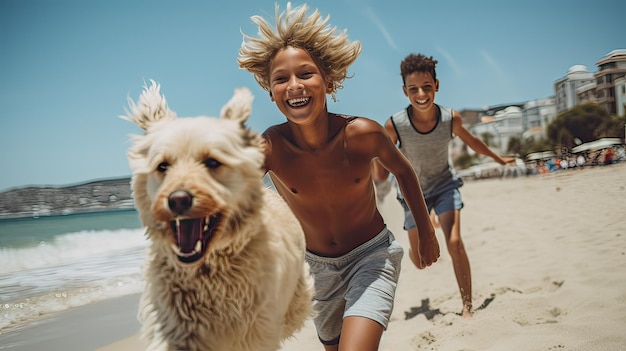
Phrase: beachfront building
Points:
(620, 96)
(536, 116)
(497, 130)
(587, 94)
(565, 88)
(611, 67)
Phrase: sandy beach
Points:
(548, 259)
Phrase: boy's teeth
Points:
(298, 101)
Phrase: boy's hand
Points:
(428, 252)
(508, 160)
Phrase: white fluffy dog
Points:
(225, 268)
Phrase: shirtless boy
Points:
(320, 163)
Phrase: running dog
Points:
(225, 268)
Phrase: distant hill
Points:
(34, 201)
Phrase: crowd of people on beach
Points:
(603, 157)
(566, 161)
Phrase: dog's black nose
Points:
(179, 201)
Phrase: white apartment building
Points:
(536, 116)
(611, 67)
(566, 88)
(587, 93)
(502, 126)
(620, 96)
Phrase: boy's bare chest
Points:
(308, 173)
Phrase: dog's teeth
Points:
(176, 250)
(178, 228)
(196, 249)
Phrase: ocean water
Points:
(50, 264)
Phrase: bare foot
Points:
(467, 312)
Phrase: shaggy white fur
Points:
(225, 268)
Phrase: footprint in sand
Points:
(424, 339)
(548, 315)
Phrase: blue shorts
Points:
(448, 200)
(360, 283)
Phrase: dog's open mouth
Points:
(192, 236)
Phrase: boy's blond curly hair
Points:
(330, 48)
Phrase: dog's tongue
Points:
(188, 232)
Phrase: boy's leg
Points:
(451, 225)
(360, 334)
(357, 286)
(447, 206)
(370, 295)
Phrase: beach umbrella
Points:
(595, 145)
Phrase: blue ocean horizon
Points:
(53, 263)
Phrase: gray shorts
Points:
(360, 283)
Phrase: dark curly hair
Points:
(417, 63)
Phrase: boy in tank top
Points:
(422, 132)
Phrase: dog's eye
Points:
(162, 167)
(212, 163)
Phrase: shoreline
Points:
(9, 218)
(78, 329)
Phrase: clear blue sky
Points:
(68, 66)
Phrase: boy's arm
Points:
(379, 173)
(425, 247)
(475, 143)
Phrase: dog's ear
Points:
(151, 107)
(239, 107)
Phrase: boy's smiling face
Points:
(420, 88)
(297, 85)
